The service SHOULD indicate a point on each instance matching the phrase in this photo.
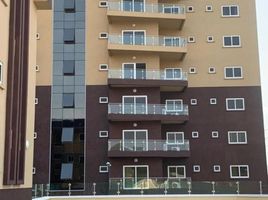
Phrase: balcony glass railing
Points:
(147, 145)
(145, 109)
(146, 74)
(165, 41)
(134, 6)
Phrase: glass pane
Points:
(66, 171)
(169, 73)
(226, 11)
(235, 171)
(179, 138)
(67, 135)
(240, 104)
(175, 10)
(69, 6)
(128, 37)
(232, 137)
(129, 177)
(243, 171)
(172, 172)
(68, 67)
(177, 73)
(141, 141)
(167, 10)
(68, 100)
(231, 104)
(241, 137)
(169, 105)
(138, 5)
(237, 72)
(69, 36)
(140, 105)
(180, 172)
(229, 72)
(129, 140)
(142, 181)
(234, 10)
(227, 41)
(127, 5)
(128, 106)
(236, 40)
(168, 41)
(178, 105)
(140, 71)
(139, 38)
(171, 138)
(129, 71)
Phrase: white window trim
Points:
(106, 100)
(135, 140)
(146, 102)
(103, 6)
(190, 70)
(232, 46)
(189, 39)
(233, 67)
(194, 102)
(103, 134)
(215, 168)
(144, 31)
(207, 10)
(211, 101)
(177, 166)
(236, 132)
(106, 65)
(170, 133)
(174, 100)
(215, 134)
(196, 168)
(135, 166)
(212, 72)
(193, 134)
(103, 171)
(210, 41)
(239, 177)
(188, 9)
(235, 109)
(134, 69)
(228, 16)
(101, 37)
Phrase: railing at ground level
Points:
(152, 186)
(118, 5)
(147, 145)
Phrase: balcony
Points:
(147, 148)
(167, 15)
(147, 112)
(167, 47)
(172, 79)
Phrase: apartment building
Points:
(149, 90)
(18, 41)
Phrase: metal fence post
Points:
(165, 184)
(94, 189)
(260, 187)
(35, 190)
(118, 188)
(189, 187)
(69, 189)
(47, 189)
(238, 188)
(213, 187)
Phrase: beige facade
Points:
(201, 54)
(4, 39)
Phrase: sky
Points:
(262, 22)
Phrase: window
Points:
(37, 68)
(231, 41)
(217, 168)
(196, 168)
(233, 72)
(69, 36)
(103, 134)
(237, 137)
(230, 11)
(191, 39)
(210, 39)
(135, 140)
(103, 67)
(103, 169)
(69, 6)
(103, 4)
(239, 171)
(173, 140)
(195, 134)
(173, 73)
(235, 104)
(134, 37)
(68, 67)
(68, 100)
(134, 104)
(212, 70)
(66, 171)
(193, 102)
(171, 9)
(192, 70)
(209, 8)
(176, 171)
(134, 70)
(37, 36)
(103, 35)
(174, 106)
(215, 134)
(67, 135)
(171, 41)
(103, 100)
(133, 5)
(213, 101)
(190, 9)
(134, 175)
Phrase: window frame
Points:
(215, 170)
(103, 100)
(232, 45)
(175, 133)
(135, 109)
(103, 171)
(176, 166)
(195, 136)
(174, 103)
(173, 73)
(103, 134)
(196, 170)
(135, 139)
(233, 68)
(229, 6)
(235, 99)
(239, 171)
(133, 39)
(135, 166)
(237, 140)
